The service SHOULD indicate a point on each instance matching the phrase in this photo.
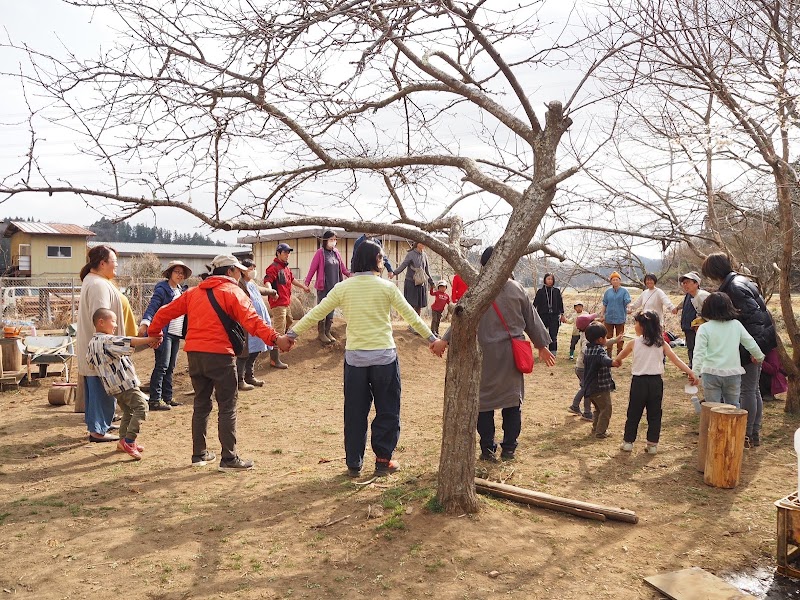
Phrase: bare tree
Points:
(274, 108)
(744, 56)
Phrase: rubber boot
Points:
(275, 359)
(321, 332)
(328, 325)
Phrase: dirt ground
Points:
(79, 520)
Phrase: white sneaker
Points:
(651, 448)
(626, 447)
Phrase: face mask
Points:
(331, 245)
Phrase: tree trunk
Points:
(793, 395)
(456, 489)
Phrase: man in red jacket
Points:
(280, 277)
(210, 353)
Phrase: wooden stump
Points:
(726, 431)
(61, 394)
(12, 354)
(702, 443)
(80, 391)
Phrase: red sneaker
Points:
(129, 449)
(136, 445)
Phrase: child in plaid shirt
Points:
(597, 380)
(110, 355)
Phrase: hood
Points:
(216, 281)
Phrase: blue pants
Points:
(362, 386)
(751, 400)
(512, 426)
(722, 388)
(161, 378)
(99, 410)
(581, 395)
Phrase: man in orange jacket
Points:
(211, 357)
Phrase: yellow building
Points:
(46, 248)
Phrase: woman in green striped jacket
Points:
(371, 369)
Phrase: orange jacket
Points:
(205, 332)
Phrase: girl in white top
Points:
(647, 387)
(652, 298)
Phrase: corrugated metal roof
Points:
(170, 250)
(47, 228)
(308, 232)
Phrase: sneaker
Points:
(245, 387)
(747, 442)
(508, 454)
(201, 460)
(755, 441)
(574, 410)
(135, 445)
(651, 448)
(626, 447)
(159, 406)
(129, 449)
(603, 435)
(235, 464)
(488, 455)
(385, 467)
(171, 403)
(254, 381)
(354, 472)
(587, 417)
(572, 357)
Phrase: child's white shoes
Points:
(651, 448)
(626, 447)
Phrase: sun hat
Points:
(167, 273)
(227, 260)
(690, 275)
(577, 303)
(583, 321)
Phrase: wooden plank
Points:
(695, 584)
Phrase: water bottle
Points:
(698, 408)
(797, 450)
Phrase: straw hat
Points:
(167, 273)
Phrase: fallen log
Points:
(576, 507)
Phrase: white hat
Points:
(690, 275)
(227, 260)
(176, 263)
(442, 282)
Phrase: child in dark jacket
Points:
(597, 379)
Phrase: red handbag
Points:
(522, 349)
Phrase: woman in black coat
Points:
(550, 306)
(755, 317)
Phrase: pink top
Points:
(318, 268)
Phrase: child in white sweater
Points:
(647, 386)
(716, 351)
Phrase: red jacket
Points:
(459, 287)
(284, 290)
(442, 300)
(205, 332)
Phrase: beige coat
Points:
(96, 292)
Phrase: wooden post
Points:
(80, 405)
(726, 431)
(702, 443)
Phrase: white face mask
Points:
(331, 244)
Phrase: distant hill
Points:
(123, 232)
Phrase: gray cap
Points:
(227, 260)
(690, 275)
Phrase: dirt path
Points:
(78, 520)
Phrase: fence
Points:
(52, 302)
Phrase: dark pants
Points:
(213, 373)
(690, 336)
(602, 411)
(581, 395)
(512, 425)
(244, 366)
(161, 378)
(647, 391)
(573, 341)
(362, 386)
(436, 318)
(321, 294)
(552, 322)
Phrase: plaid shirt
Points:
(109, 355)
(597, 370)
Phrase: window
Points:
(59, 252)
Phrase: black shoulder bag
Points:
(236, 333)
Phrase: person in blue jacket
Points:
(167, 353)
(386, 263)
(614, 311)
